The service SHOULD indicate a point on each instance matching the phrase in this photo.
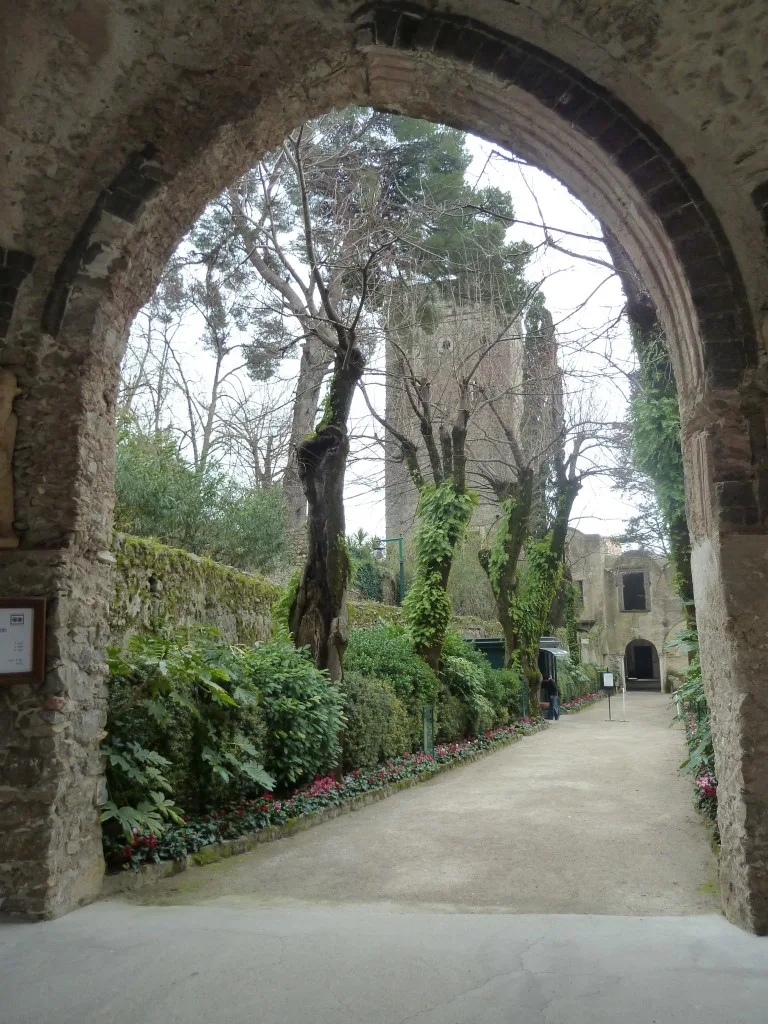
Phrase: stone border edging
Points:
(149, 874)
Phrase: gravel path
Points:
(588, 817)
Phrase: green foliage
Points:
(503, 687)
(182, 720)
(367, 574)
(387, 651)
(656, 452)
(465, 680)
(487, 696)
(570, 600)
(443, 518)
(468, 586)
(158, 588)
(574, 679)
(498, 557)
(302, 712)
(540, 576)
(691, 706)
(158, 494)
(691, 700)
(378, 727)
(195, 721)
(281, 609)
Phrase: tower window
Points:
(633, 592)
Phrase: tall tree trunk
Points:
(540, 578)
(318, 617)
(315, 359)
(501, 561)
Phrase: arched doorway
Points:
(641, 665)
(114, 149)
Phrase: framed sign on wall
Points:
(22, 640)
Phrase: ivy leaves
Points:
(444, 515)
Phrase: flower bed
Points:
(704, 782)
(579, 703)
(247, 817)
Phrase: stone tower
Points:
(443, 340)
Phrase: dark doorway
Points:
(641, 664)
(643, 661)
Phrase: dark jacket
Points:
(549, 689)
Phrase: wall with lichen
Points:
(369, 613)
(159, 587)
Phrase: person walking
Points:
(550, 691)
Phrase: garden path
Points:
(588, 817)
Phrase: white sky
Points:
(568, 282)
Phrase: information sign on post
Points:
(22, 640)
(609, 687)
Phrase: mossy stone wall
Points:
(160, 587)
(157, 586)
(369, 613)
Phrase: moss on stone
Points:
(157, 586)
(208, 855)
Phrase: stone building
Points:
(120, 121)
(628, 613)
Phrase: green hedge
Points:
(378, 725)
(574, 680)
(196, 723)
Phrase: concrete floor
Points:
(588, 817)
(113, 963)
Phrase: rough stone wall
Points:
(653, 114)
(160, 587)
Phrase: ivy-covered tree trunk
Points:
(501, 561)
(318, 615)
(443, 516)
(542, 571)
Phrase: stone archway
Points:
(126, 123)
(641, 665)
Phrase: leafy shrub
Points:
(368, 581)
(576, 679)
(302, 711)
(453, 720)
(489, 696)
(692, 707)
(160, 495)
(387, 651)
(377, 725)
(504, 691)
(192, 721)
(466, 680)
(182, 724)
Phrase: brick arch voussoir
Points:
(725, 324)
